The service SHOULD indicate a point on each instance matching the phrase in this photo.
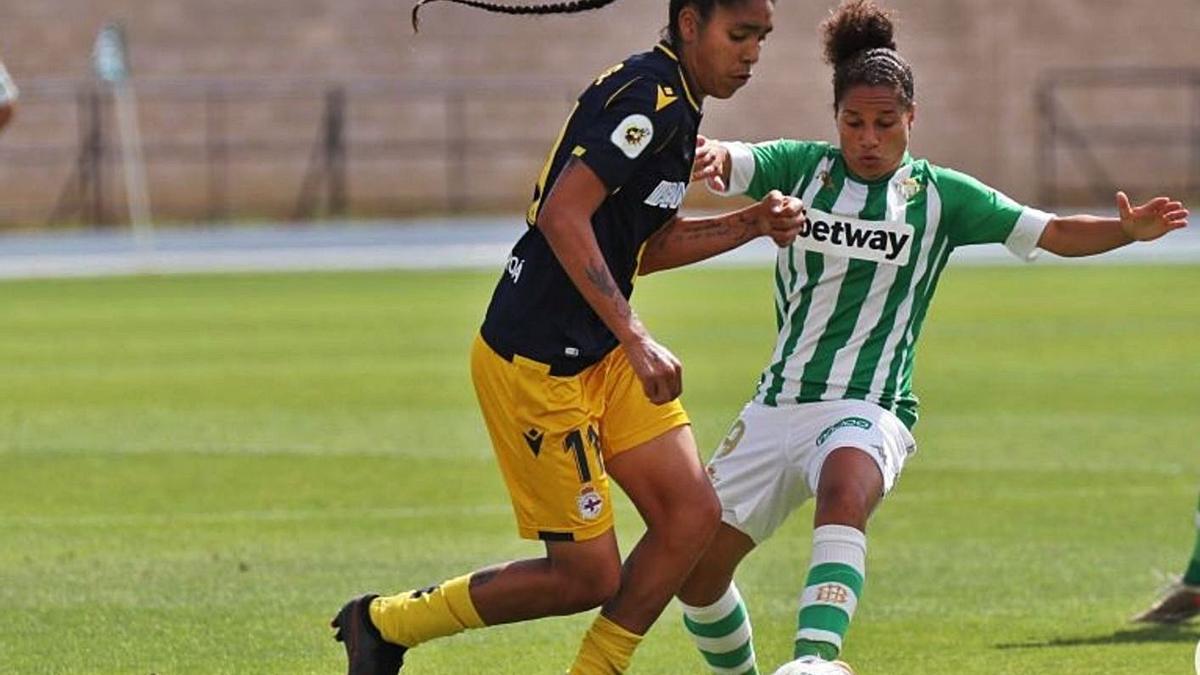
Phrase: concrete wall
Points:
(977, 63)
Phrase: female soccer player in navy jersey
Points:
(572, 386)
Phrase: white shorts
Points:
(770, 462)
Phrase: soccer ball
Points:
(811, 665)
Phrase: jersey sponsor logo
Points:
(881, 241)
(633, 135)
(666, 96)
(857, 422)
(668, 195)
(513, 267)
(590, 503)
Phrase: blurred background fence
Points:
(278, 110)
(246, 149)
(270, 148)
(1089, 142)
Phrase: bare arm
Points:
(687, 240)
(565, 221)
(8, 96)
(1077, 236)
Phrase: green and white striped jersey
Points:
(853, 290)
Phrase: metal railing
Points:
(233, 124)
(1088, 114)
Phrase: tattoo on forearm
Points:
(601, 279)
(597, 273)
(736, 226)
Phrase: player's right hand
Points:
(711, 164)
(660, 372)
(780, 217)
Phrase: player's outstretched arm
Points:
(1077, 236)
(566, 222)
(684, 241)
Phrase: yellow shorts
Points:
(552, 436)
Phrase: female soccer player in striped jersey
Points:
(832, 414)
(572, 387)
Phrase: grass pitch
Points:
(195, 472)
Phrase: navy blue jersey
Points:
(635, 127)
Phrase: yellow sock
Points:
(606, 650)
(413, 617)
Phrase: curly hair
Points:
(860, 44)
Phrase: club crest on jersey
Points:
(880, 241)
(633, 135)
(590, 503)
(909, 188)
(668, 195)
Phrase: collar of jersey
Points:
(666, 49)
(905, 161)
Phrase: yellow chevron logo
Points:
(666, 96)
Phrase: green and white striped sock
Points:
(835, 582)
(722, 633)
(1192, 576)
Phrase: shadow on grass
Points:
(1189, 633)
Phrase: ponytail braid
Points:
(552, 8)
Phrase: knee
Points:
(850, 486)
(845, 503)
(585, 588)
(691, 522)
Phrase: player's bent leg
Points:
(575, 576)
(666, 482)
(715, 616)
(850, 486)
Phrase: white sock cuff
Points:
(840, 544)
(716, 611)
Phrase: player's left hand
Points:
(1149, 221)
(710, 164)
(780, 217)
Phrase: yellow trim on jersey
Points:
(682, 77)
(532, 213)
(618, 92)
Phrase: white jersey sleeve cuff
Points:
(8, 90)
(1023, 240)
(741, 169)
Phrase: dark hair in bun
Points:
(860, 44)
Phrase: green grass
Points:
(195, 472)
